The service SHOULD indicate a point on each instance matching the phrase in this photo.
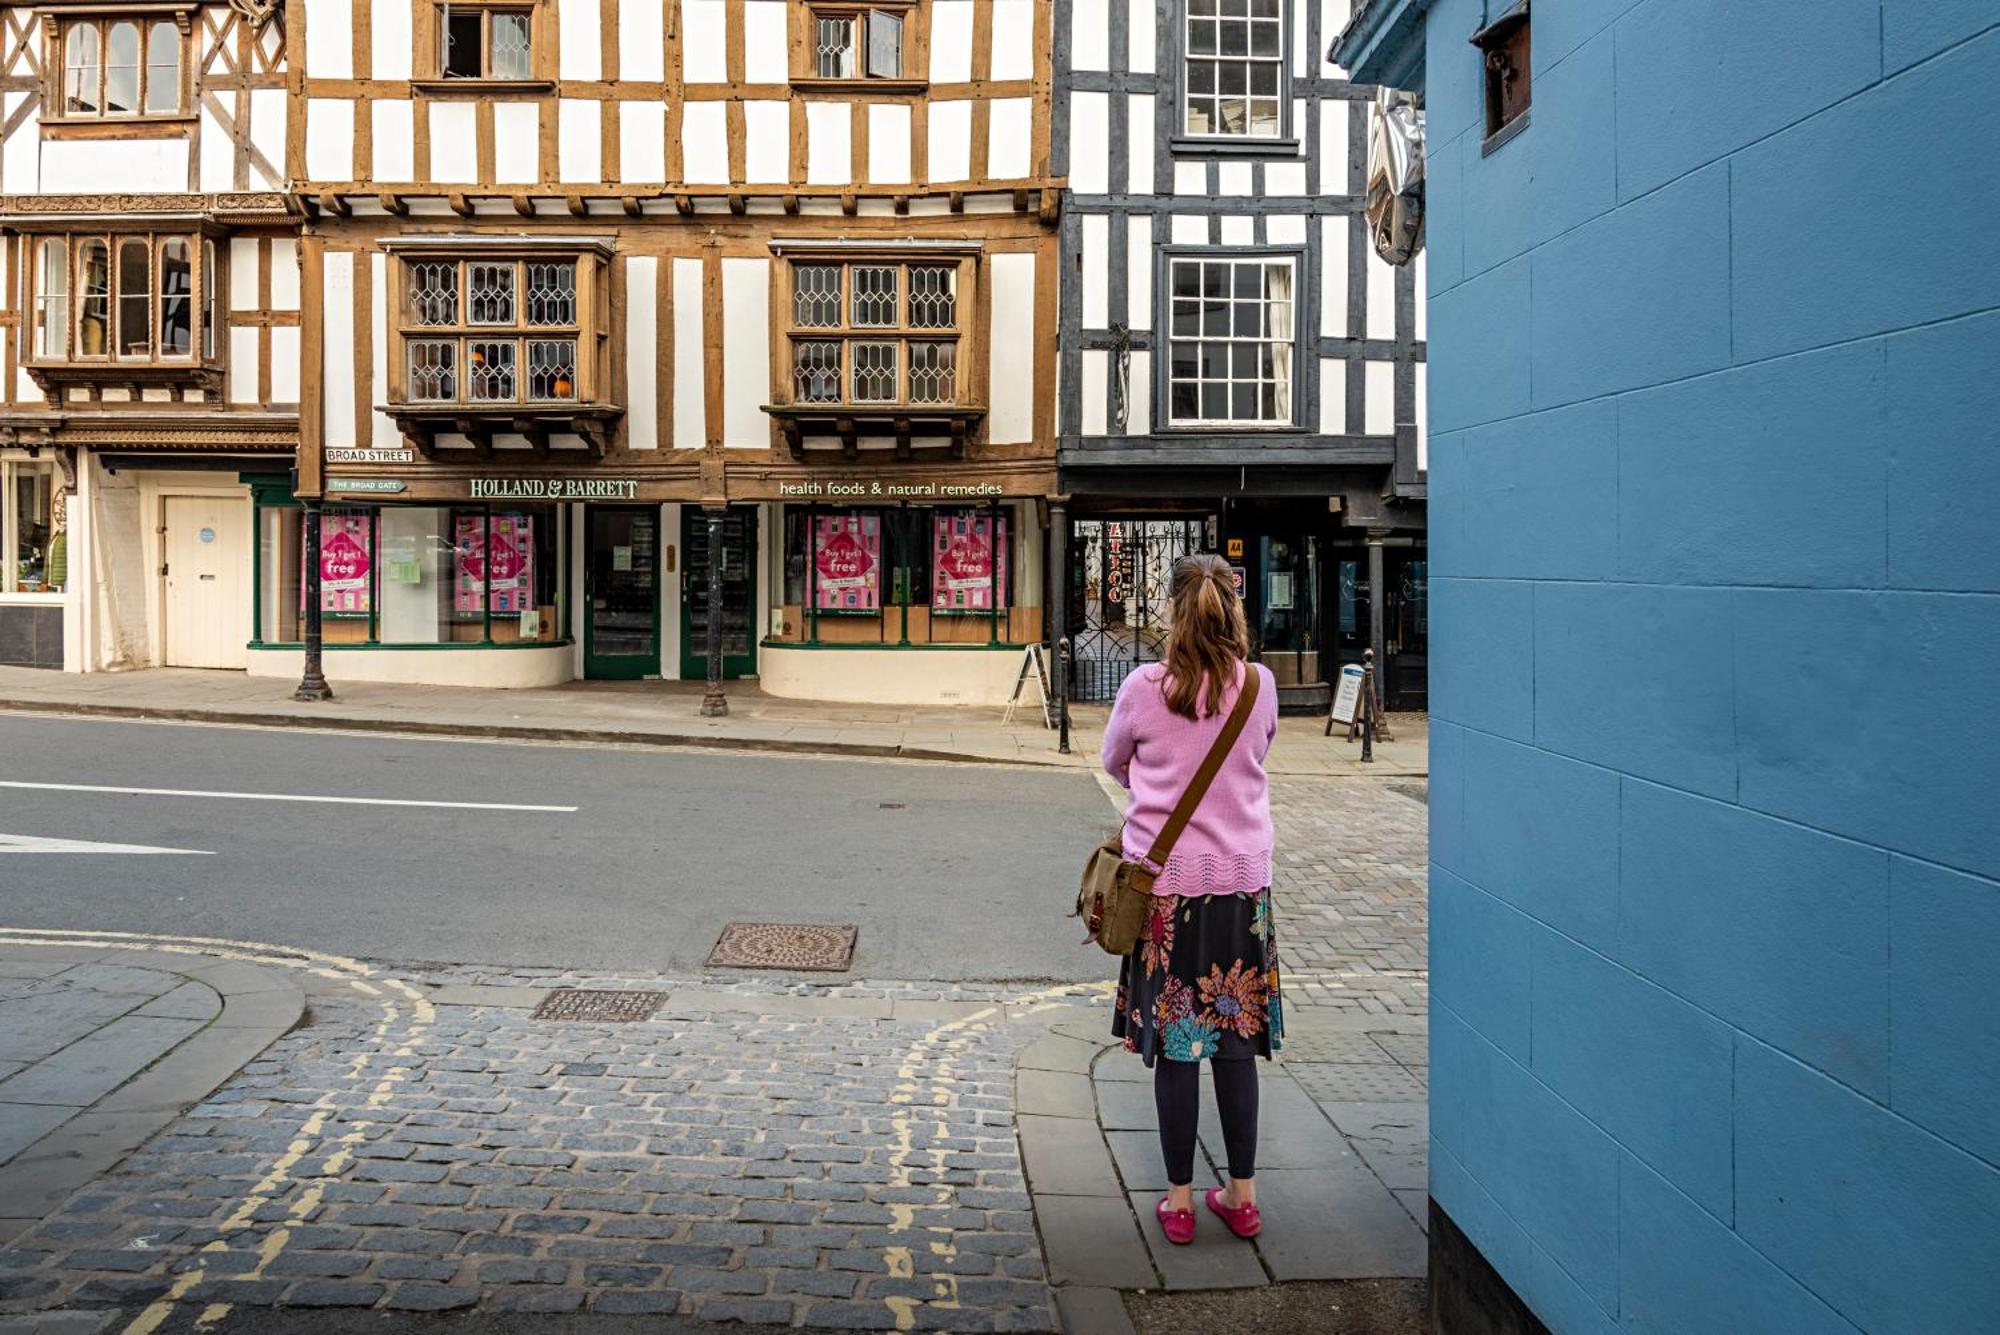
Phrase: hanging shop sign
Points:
(899, 487)
(559, 488)
(847, 562)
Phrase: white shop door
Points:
(207, 558)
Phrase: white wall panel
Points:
(284, 364)
(1284, 180)
(20, 158)
(243, 366)
(330, 50)
(1333, 277)
(1334, 17)
(1378, 404)
(705, 143)
(1089, 142)
(1238, 229)
(642, 142)
(1090, 34)
(1096, 270)
(703, 41)
(218, 153)
(641, 40)
(767, 152)
(1190, 229)
(1332, 397)
(1285, 229)
(389, 40)
(746, 351)
(829, 143)
(284, 274)
(243, 267)
(888, 143)
(1190, 178)
(1138, 35)
(1014, 39)
(1333, 147)
(337, 366)
(950, 136)
(1092, 390)
(580, 140)
(329, 139)
(82, 166)
(1011, 416)
(1139, 395)
(517, 142)
(1139, 165)
(454, 142)
(1139, 271)
(766, 44)
(951, 41)
(267, 136)
(1381, 297)
(642, 352)
(395, 140)
(690, 367)
(1234, 178)
(382, 432)
(581, 54)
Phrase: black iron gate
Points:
(1119, 569)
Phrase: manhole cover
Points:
(783, 945)
(580, 1003)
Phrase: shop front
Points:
(929, 597)
(34, 560)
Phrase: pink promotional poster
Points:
(963, 548)
(506, 565)
(847, 562)
(345, 557)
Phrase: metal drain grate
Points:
(580, 1003)
(783, 945)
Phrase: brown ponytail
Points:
(1207, 639)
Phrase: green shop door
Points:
(621, 633)
(739, 593)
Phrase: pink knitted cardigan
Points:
(1151, 750)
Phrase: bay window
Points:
(501, 330)
(142, 297)
(875, 333)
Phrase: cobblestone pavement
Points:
(761, 1149)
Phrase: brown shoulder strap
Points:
(1232, 728)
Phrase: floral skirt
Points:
(1203, 980)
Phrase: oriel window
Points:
(875, 332)
(134, 297)
(500, 330)
(121, 67)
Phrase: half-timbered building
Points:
(627, 319)
(1240, 372)
(149, 294)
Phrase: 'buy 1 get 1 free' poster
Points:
(847, 562)
(503, 564)
(346, 555)
(965, 553)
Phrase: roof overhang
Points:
(1383, 43)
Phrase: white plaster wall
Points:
(284, 364)
(382, 432)
(243, 366)
(84, 166)
(517, 142)
(951, 138)
(1138, 35)
(888, 143)
(218, 153)
(389, 38)
(703, 40)
(642, 352)
(1378, 380)
(746, 351)
(1014, 39)
(951, 41)
(1139, 395)
(1089, 142)
(1090, 34)
(284, 274)
(1332, 397)
(330, 48)
(454, 142)
(1333, 277)
(582, 42)
(1096, 270)
(641, 40)
(338, 366)
(329, 139)
(395, 140)
(580, 140)
(20, 157)
(1095, 405)
(243, 267)
(767, 150)
(1011, 369)
(690, 366)
(1138, 271)
(829, 143)
(267, 136)
(704, 143)
(1139, 164)
(766, 50)
(1333, 146)
(642, 142)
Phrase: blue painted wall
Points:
(1715, 542)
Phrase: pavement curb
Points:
(258, 1007)
(524, 733)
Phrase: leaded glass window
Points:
(933, 372)
(1231, 340)
(479, 43)
(858, 43)
(816, 371)
(876, 295)
(551, 369)
(433, 371)
(489, 370)
(552, 293)
(494, 330)
(1234, 61)
(490, 293)
(434, 292)
(875, 332)
(816, 296)
(836, 46)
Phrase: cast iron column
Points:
(1059, 617)
(713, 702)
(312, 686)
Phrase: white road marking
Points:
(123, 791)
(28, 843)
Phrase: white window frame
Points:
(1280, 61)
(1288, 342)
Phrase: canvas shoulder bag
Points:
(1117, 892)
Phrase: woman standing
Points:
(1202, 984)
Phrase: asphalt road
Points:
(952, 872)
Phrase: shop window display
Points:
(34, 539)
(901, 576)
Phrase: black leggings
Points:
(1177, 1094)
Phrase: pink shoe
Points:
(1178, 1225)
(1244, 1221)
